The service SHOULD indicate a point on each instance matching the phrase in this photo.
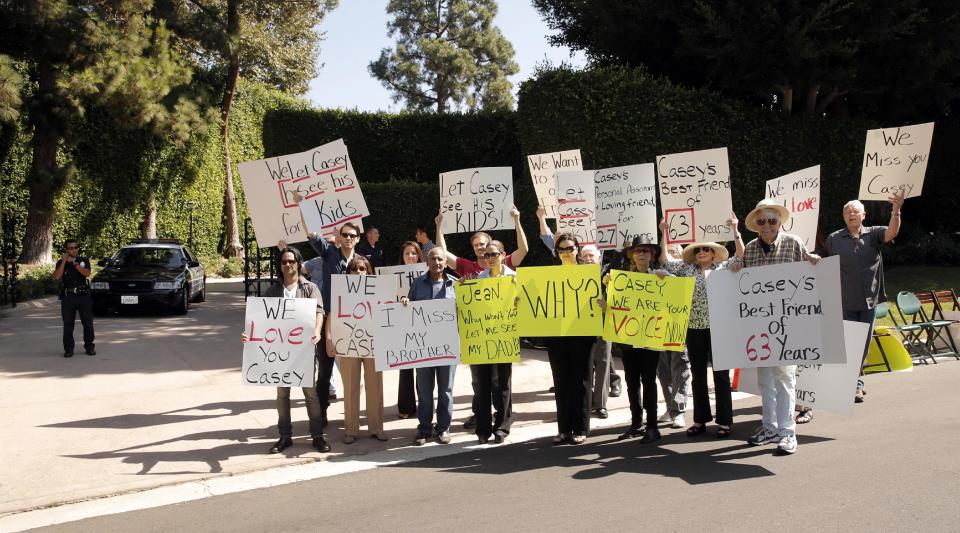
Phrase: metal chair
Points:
(910, 333)
(935, 331)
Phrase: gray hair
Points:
(586, 247)
(857, 204)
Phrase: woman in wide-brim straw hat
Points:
(699, 260)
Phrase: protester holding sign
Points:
(294, 286)
(350, 368)
(861, 265)
(778, 383)
(570, 364)
(410, 254)
(494, 380)
(601, 358)
(432, 286)
(698, 261)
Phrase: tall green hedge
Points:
(620, 116)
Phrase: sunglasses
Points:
(566, 249)
(771, 221)
(704, 249)
(288, 262)
(491, 255)
(349, 235)
(642, 249)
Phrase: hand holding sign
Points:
(895, 160)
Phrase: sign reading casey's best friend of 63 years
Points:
(776, 315)
(278, 351)
(487, 319)
(646, 311)
(895, 161)
(421, 334)
(695, 195)
(476, 199)
(542, 169)
(559, 301)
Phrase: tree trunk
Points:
(46, 177)
(811, 103)
(233, 247)
(787, 100)
(148, 228)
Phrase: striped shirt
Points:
(785, 248)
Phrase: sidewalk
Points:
(162, 404)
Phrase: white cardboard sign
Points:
(278, 351)
(626, 204)
(776, 315)
(476, 199)
(799, 192)
(542, 169)
(352, 301)
(421, 334)
(895, 160)
(828, 387)
(577, 205)
(405, 275)
(323, 177)
(695, 195)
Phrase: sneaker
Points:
(858, 397)
(679, 422)
(787, 446)
(420, 439)
(761, 437)
(443, 437)
(665, 417)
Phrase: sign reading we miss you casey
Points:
(895, 161)
(542, 169)
(278, 351)
(322, 177)
(695, 195)
(776, 315)
(476, 199)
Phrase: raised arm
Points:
(664, 255)
(733, 223)
(893, 229)
(522, 248)
(442, 243)
(546, 235)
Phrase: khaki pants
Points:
(350, 372)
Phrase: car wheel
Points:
(202, 295)
(184, 304)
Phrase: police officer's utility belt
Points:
(83, 289)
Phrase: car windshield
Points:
(162, 257)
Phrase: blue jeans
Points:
(867, 316)
(443, 376)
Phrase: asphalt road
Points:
(893, 466)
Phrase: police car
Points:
(149, 272)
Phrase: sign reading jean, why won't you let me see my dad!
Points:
(559, 301)
(476, 199)
(278, 351)
(420, 334)
(776, 315)
(487, 318)
(648, 312)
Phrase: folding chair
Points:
(942, 300)
(935, 330)
(881, 311)
(910, 333)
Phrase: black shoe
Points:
(332, 396)
(68, 354)
(483, 439)
(615, 392)
(470, 423)
(651, 435)
(91, 351)
(320, 444)
(601, 413)
(499, 436)
(282, 444)
(632, 432)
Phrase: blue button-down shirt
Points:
(333, 263)
(422, 288)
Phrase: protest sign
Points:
(626, 204)
(476, 199)
(648, 312)
(799, 192)
(559, 301)
(323, 177)
(819, 386)
(542, 169)
(577, 206)
(776, 315)
(405, 275)
(487, 319)
(695, 195)
(895, 161)
(421, 334)
(278, 351)
(352, 301)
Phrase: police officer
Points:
(72, 271)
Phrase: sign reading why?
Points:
(626, 204)
(542, 169)
(324, 180)
(352, 301)
(648, 312)
(278, 351)
(476, 199)
(577, 209)
(559, 301)
(487, 318)
(895, 161)
(695, 195)
(799, 192)
(420, 334)
(776, 315)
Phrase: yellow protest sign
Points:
(559, 301)
(646, 311)
(487, 320)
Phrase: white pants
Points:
(778, 390)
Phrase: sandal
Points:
(804, 416)
(696, 429)
(578, 439)
(723, 432)
(560, 438)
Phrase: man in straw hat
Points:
(777, 384)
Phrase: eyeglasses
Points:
(566, 249)
(349, 235)
(293, 262)
(491, 255)
(642, 249)
(703, 249)
(771, 221)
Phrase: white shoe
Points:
(665, 417)
(679, 422)
(787, 446)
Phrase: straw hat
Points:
(720, 254)
(766, 203)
